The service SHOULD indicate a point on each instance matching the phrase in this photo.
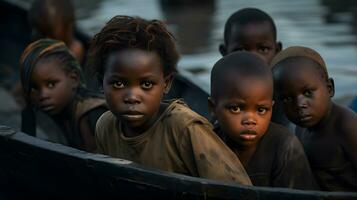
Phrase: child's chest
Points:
(157, 152)
(324, 152)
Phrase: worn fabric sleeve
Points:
(208, 157)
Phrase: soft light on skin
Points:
(53, 88)
(134, 84)
(256, 38)
(306, 96)
(243, 108)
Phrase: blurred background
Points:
(328, 26)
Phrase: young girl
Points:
(51, 80)
(135, 59)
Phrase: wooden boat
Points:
(33, 168)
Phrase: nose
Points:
(249, 120)
(132, 97)
(44, 94)
(301, 102)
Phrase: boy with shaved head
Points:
(241, 100)
(328, 131)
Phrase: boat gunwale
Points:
(155, 178)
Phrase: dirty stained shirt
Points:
(278, 161)
(329, 162)
(180, 141)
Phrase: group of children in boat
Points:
(257, 91)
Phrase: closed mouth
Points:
(47, 108)
(132, 115)
(304, 118)
(248, 135)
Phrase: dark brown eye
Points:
(235, 109)
(308, 93)
(264, 49)
(146, 85)
(118, 85)
(51, 84)
(262, 111)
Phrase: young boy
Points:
(241, 100)
(253, 30)
(135, 59)
(55, 19)
(328, 131)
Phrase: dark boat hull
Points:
(44, 170)
(36, 169)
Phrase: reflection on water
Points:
(329, 26)
(192, 22)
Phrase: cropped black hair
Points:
(241, 64)
(125, 32)
(246, 16)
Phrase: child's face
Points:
(134, 84)
(53, 88)
(256, 38)
(244, 109)
(304, 93)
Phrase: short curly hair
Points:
(125, 32)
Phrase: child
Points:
(327, 130)
(253, 30)
(51, 80)
(135, 59)
(55, 19)
(241, 100)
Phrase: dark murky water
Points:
(329, 26)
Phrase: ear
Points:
(211, 107)
(279, 47)
(331, 87)
(272, 103)
(223, 49)
(168, 82)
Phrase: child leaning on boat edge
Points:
(327, 131)
(242, 101)
(51, 82)
(135, 59)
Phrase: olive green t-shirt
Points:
(179, 141)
